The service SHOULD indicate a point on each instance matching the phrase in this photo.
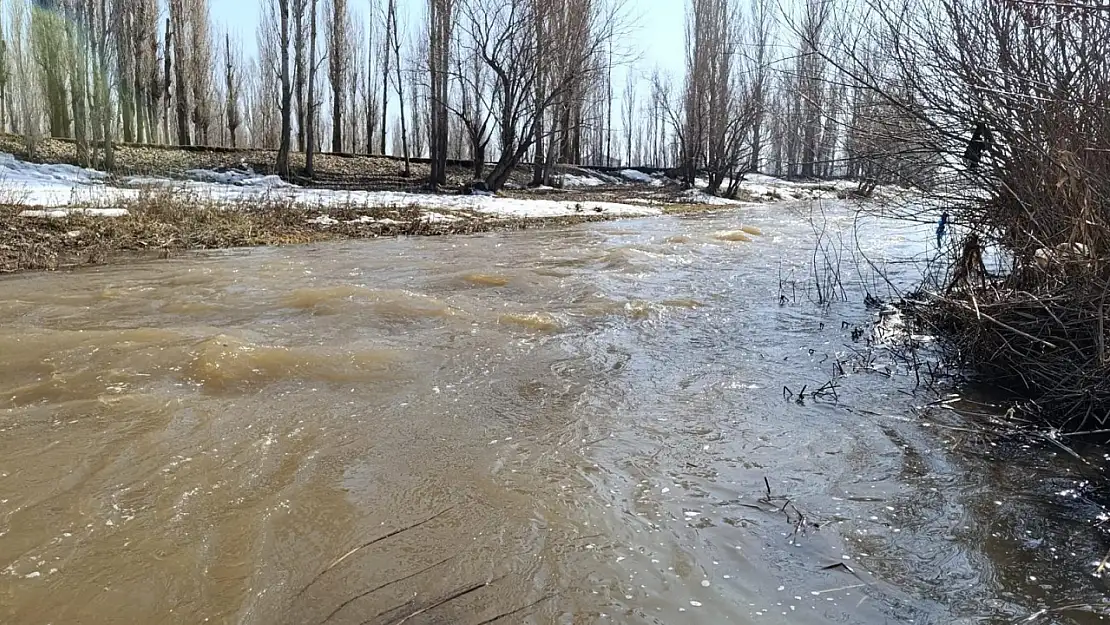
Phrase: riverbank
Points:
(47, 240)
(56, 215)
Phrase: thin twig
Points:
(370, 543)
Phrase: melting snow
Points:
(438, 218)
(244, 178)
(571, 181)
(62, 186)
(696, 196)
(639, 176)
(58, 213)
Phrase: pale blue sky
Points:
(657, 37)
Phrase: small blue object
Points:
(941, 227)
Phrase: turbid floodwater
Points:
(574, 425)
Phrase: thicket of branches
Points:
(499, 82)
(1011, 98)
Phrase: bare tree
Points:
(49, 42)
(503, 34)
(233, 88)
(179, 21)
(27, 119)
(762, 41)
(338, 33)
(371, 94)
(201, 62)
(713, 124)
(418, 126)
(5, 80)
(284, 27)
(1009, 99)
(77, 46)
(810, 75)
(147, 79)
(99, 34)
(394, 39)
(474, 108)
(310, 133)
(167, 85)
(440, 19)
(300, 71)
(628, 114)
(388, 18)
(268, 95)
(124, 40)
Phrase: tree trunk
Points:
(757, 142)
(439, 38)
(77, 78)
(338, 61)
(404, 128)
(538, 166)
(385, 73)
(478, 156)
(371, 114)
(182, 89)
(286, 95)
(125, 59)
(310, 132)
(103, 90)
(141, 128)
(399, 85)
(336, 122)
(299, 71)
(167, 80)
(233, 119)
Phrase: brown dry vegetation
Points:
(1032, 81)
(159, 227)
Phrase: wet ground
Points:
(577, 425)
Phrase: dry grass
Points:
(162, 225)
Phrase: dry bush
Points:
(1035, 185)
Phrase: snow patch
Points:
(636, 176)
(435, 218)
(639, 176)
(234, 177)
(64, 186)
(61, 213)
(572, 181)
(697, 196)
(323, 220)
(35, 184)
(15, 170)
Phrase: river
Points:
(573, 425)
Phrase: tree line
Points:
(501, 83)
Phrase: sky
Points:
(657, 30)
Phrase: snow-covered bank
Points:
(764, 188)
(51, 190)
(64, 186)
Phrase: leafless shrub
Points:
(1013, 97)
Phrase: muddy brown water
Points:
(560, 426)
